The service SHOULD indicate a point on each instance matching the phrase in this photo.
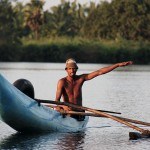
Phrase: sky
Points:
(50, 3)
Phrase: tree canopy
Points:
(127, 19)
(9, 24)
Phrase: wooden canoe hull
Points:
(23, 114)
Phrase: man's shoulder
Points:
(82, 76)
(62, 79)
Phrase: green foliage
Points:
(66, 19)
(9, 27)
(9, 53)
(105, 33)
(120, 18)
(83, 50)
(33, 17)
(115, 20)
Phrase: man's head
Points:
(71, 67)
(71, 63)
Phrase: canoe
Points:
(24, 114)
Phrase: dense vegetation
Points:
(103, 33)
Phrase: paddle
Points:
(144, 132)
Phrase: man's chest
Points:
(76, 84)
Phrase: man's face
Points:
(71, 71)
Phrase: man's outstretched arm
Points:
(106, 70)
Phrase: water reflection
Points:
(21, 141)
(67, 141)
(72, 141)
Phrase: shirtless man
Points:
(70, 87)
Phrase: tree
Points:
(33, 12)
(9, 27)
(66, 19)
(127, 19)
(99, 21)
(132, 17)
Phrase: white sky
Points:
(50, 3)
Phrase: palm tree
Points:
(34, 16)
(67, 18)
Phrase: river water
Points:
(126, 90)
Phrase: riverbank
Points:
(84, 50)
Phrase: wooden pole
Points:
(95, 115)
(112, 112)
(147, 132)
(134, 121)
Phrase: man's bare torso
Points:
(72, 89)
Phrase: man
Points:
(70, 87)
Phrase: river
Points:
(126, 90)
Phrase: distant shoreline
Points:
(83, 50)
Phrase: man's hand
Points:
(62, 108)
(125, 63)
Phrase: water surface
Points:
(126, 90)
